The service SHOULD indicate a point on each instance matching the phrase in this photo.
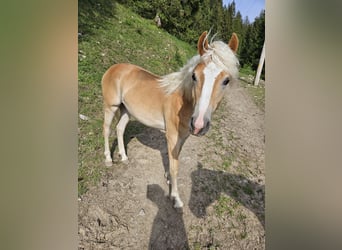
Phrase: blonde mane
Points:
(218, 52)
(181, 79)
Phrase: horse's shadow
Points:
(207, 186)
(148, 136)
(168, 230)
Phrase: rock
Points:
(84, 118)
(81, 231)
(142, 212)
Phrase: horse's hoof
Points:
(178, 204)
(108, 163)
(125, 160)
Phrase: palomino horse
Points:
(179, 103)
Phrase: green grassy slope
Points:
(126, 37)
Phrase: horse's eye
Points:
(225, 82)
(194, 77)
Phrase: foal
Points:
(179, 103)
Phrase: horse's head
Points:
(217, 68)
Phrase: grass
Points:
(222, 206)
(256, 92)
(247, 70)
(122, 37)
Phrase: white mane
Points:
(182, 78)
(217, 52)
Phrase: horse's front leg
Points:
(175, 143)
(174, 186)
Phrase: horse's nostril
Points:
(208, 124)
(205, 128)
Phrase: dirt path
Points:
(221, 182)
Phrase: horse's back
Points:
(122, 78)
(124, 70)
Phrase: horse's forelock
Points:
(220, 54)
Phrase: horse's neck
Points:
(188, 96)
(187, 104)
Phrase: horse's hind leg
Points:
(109, 113)
(120, 130)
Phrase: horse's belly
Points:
(151, 123)
(144, 100)
(148, 117)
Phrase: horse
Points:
(179, 103)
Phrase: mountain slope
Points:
(110, 40)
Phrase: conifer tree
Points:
(186, 19)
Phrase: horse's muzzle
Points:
(199, 131)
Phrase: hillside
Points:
(114, 40)
(221, 175)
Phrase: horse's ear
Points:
(234, 42)
(202, 44)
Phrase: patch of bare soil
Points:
(221, 182)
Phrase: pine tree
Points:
(260, 38)
(187, 19)
(253, 41)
